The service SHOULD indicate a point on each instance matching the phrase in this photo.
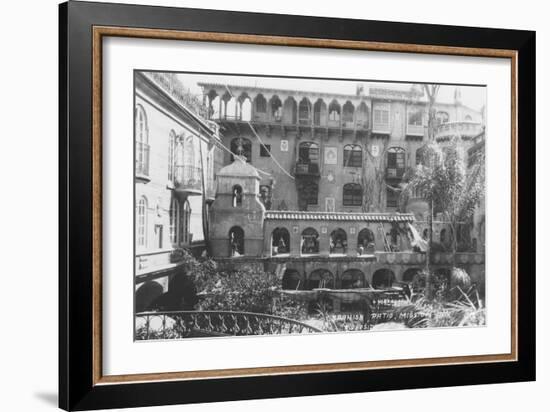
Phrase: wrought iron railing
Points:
(188, 178)
(171, 84)
(142, 159)
(183, 324)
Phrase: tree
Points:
(448, 185)
(373, 178)
(431, 91)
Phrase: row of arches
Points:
(309, 241)
(349, 279)
(354, 279)
(290, 111)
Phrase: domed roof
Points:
(239, 168)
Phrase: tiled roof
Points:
(338, 216)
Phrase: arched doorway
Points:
(291, 279)
(310, 242)
(338, 241)
(236, 241)
(365, 241)
(280, 241)
(146, 294)
(383, 278)
(320, 278)
(353, 279)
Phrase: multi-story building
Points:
(343, 152)
(312, 181)
(176, 153)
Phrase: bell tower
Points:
(237, 214)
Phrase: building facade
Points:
(328, 170)
(176, 153)
(304, 184)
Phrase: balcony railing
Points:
(307, 169)
(142, 159)
(171, 84)
(188, 179)
(459, 129)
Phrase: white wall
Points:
(28, 210)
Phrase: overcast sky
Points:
(472, 96)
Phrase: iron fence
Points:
(182, 324)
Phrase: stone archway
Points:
(383, 278)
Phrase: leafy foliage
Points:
(442, 177)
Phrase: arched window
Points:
(142, 128)
(174, 220)
(261, 104)
(142, 141)
(362, 116)
(214, 103)
(245, 107)
(334, 113)
(310, 241)
(320, 113)
(289, 111)
(276, 108)
(291, 279)
(142, 222)
(230, 104)
(237, 192)
(353, 155)
(304, 111)
(468, 118)
(383, 278)
(365, 241)
(352, 194)
(320, 278)
(236, 241)
(353, 279)
(184, 235)
(171, 155)
(308, 153)
(241, 147)
(347, 114)
(338, 241)
(280, 241)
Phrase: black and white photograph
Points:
(287, 205)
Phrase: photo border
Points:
(82, 27)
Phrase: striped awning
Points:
(339, 216)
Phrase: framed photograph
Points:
(256, 206)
